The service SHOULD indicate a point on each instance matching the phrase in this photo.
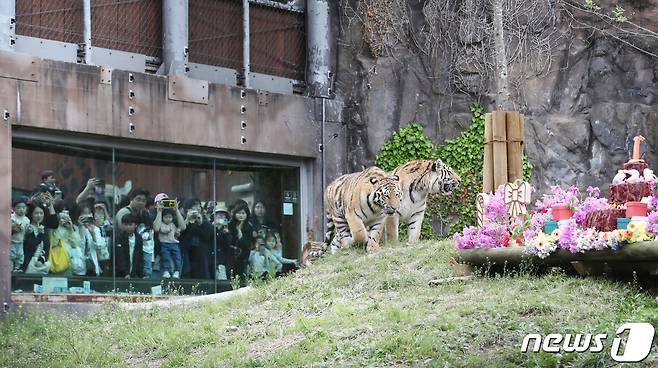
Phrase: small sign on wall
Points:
(288, 209)
(290, 196)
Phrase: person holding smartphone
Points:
(223, 242)
(93, 192)
(168, 233)
(49, 184)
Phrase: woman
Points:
(259, 220)
(242, 233)
(66, 239)
(36, 243)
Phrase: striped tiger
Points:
(357, 205)
(418, 179)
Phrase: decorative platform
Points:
(641, 257)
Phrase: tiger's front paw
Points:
(372, 247)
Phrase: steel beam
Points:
(318, 49)
(175, 37)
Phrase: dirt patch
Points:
(260, 350)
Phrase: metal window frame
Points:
(304, 165)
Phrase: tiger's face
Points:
(446, 179)
(388, 194)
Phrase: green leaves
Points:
(409, 143)
(464, 154)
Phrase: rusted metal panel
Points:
(133, 26)
(59, 20)
(188, 89)
(215, 33)
(277, 42)
(19, 66)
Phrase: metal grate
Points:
(215, 33)
(59, 20)
(127, 25)
(277, 42)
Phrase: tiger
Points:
(418, 179)
(356, 206)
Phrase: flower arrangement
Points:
(543, 245)
(569, 197)
(528, 229)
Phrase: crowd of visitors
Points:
(146, 237)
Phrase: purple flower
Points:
(652, 225)
(495, 210)
(594, 192)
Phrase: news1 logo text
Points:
(637, 347)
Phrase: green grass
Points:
(346, 310)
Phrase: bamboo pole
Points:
(499, 148)
(514, 149)
(487, 169)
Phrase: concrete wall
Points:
(70, 97)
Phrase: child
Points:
(258, 260)
(275, 247)
(129, 249)
(167, 232)
(19, 224)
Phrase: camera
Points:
(169, 203)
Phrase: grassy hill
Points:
(347, 310)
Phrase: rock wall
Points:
(581, 114)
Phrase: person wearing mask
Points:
(196, 241)
(223, 242)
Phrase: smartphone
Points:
(99, 186)
(58, 194)
(168, 203)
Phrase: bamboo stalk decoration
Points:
(499, 148)
(514, 131)
(488, 168)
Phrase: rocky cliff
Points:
(587, 84)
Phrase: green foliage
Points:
(590, 4)
(618, 13)
(407, 144)
(466, 156)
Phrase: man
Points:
(48, 184)
(136, 207)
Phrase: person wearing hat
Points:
(223, 241)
